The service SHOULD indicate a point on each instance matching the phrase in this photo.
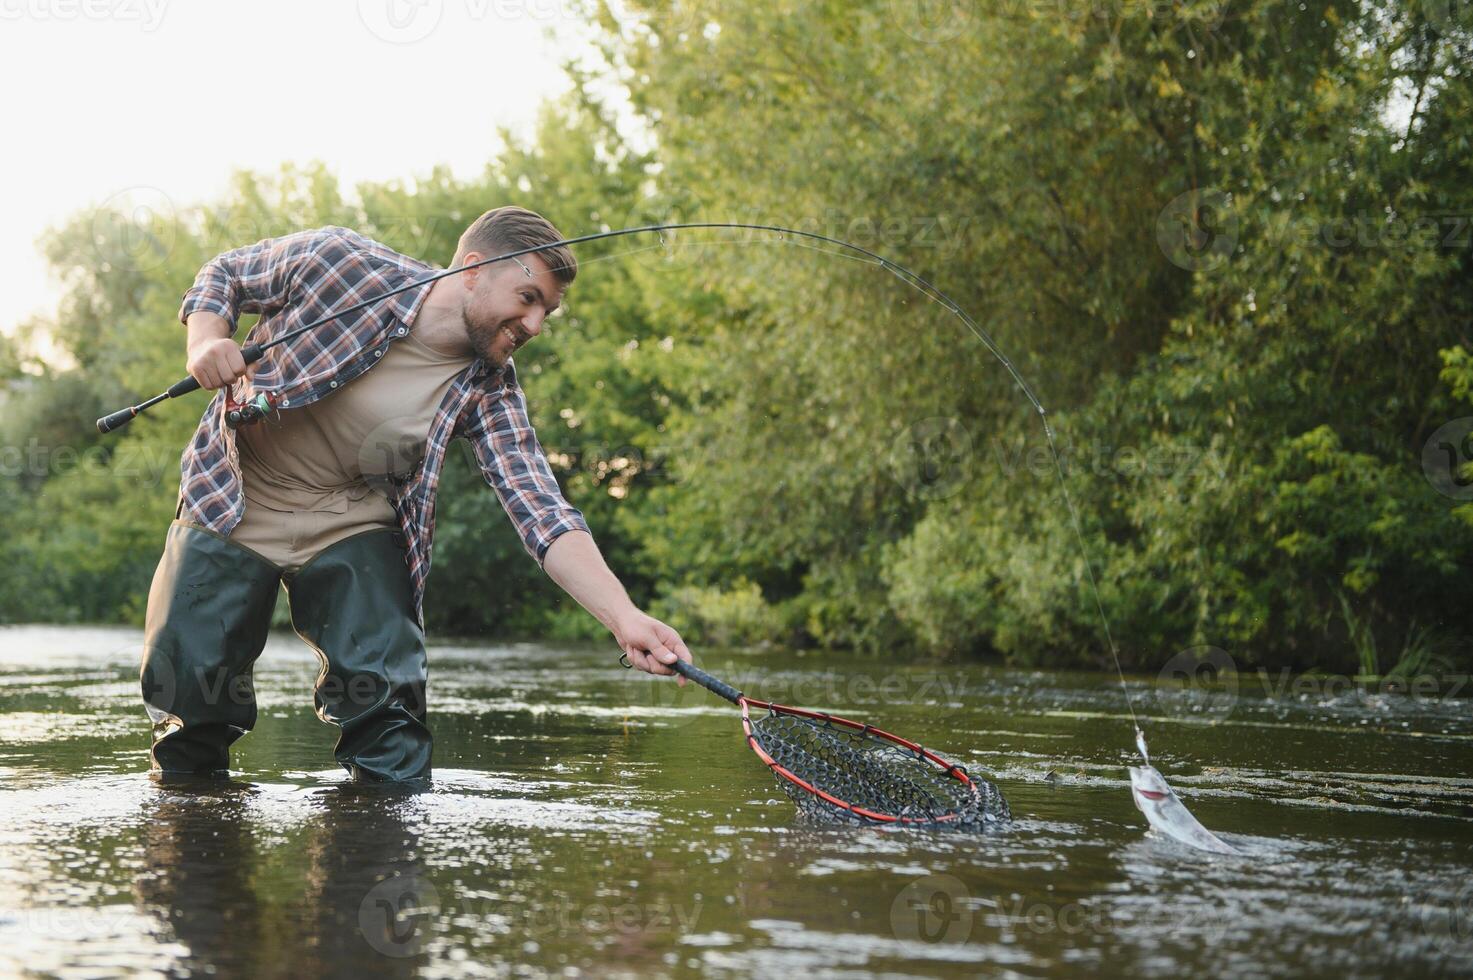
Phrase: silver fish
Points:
(1168, 814)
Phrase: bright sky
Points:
(162, 99)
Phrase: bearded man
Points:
(332, 492)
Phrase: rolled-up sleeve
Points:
(512, 461)
(254, 278)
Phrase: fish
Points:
(1169, 815)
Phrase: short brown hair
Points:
(510, 229)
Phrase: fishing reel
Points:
(247, 412)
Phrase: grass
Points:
(1421, 648)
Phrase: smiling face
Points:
(503, 307)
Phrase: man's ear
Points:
(470, 276)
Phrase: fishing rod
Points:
(254, 352)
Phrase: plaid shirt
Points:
(296, 279)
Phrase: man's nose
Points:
(532, 323)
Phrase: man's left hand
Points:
(651, 645)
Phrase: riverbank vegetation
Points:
(1227, 242)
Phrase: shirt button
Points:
(400, 331)
(332, 384)
(378, 353)
(285, 402)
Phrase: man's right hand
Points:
(216, 363)
(213, 359)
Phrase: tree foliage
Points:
(1226, 242)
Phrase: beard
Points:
(487, 340)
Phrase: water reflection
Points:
(199, 858)
(369, 903)
(365, 903)
(583, 821)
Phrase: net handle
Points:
(717, 687)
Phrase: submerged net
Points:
(871, 773)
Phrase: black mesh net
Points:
(874, 774)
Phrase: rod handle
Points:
(251, 354)
(109, 423)
(717, 687)
(182, 387)
(117, 419)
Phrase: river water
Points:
(587, 819)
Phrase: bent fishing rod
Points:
(254, 352)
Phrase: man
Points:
(333, 492)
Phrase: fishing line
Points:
(935, 295)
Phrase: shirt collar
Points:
(406, 307)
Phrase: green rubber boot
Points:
(209, 610)
(353, 604)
